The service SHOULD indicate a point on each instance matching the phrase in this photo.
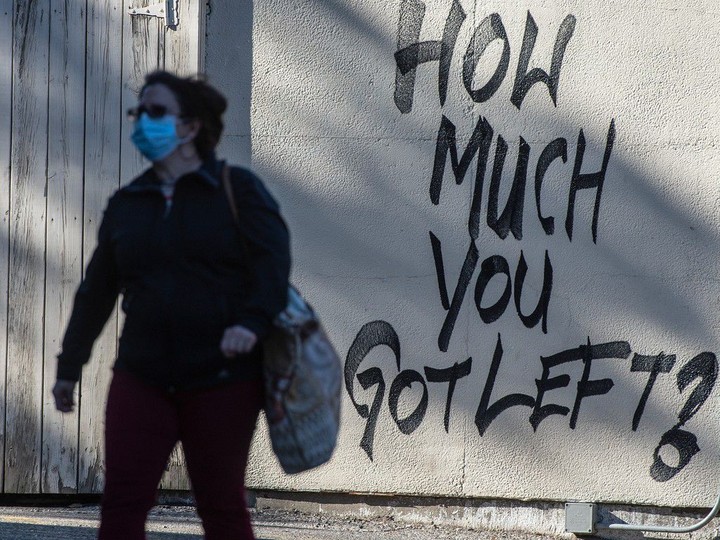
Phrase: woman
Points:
(199, 290)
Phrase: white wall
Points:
(312, 87)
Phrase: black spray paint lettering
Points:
(450, 375)
(486, 414)
(511, 218)
(653, 365)
(588, 180)
(372, 334)
(489, 268)
(412, 53)
(404, 380)
(554, 150)
(585, 386)
(377, 333)
(524, 80)
(479, 145)
(490, 29)
(704, 367)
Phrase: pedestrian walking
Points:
(199, 290)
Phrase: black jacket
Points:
(186, 274)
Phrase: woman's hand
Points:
(63, 392)
(237, 340)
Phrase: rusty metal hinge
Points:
(165, 10)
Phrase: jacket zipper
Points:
(167, 193)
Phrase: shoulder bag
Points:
(302, 376)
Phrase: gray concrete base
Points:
(542, 518)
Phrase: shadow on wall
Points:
(355, 222)
(233, 65)
(371, 198)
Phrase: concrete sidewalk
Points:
(181, 523)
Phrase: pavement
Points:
(80, 522)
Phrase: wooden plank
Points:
(27, 247)
(176, 477)
(103, 123)
(201, 8)
(182, 56)
(6, 42)
(184, 44)
(140, 56)
(145, 54)
(64, 229)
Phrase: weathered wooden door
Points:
(68, 71)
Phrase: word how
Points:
(412, 53)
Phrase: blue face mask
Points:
(156, 138)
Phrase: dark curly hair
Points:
(198, 100)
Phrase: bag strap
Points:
(230, 195)
(279, 382)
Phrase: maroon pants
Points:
(143, 424)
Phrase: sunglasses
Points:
(153, 111)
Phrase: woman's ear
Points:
(193, 128)
(187, 134)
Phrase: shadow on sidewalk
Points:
(26, 531)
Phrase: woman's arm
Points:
(267, 243)
(94, 301)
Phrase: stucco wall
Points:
(608, 198)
